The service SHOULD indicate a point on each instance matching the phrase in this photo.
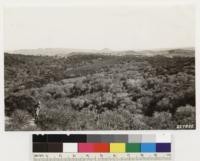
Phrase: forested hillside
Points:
(94, 91)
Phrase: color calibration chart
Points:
(136, 147)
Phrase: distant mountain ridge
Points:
(65, 52)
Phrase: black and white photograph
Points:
(79, 67)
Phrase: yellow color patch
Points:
(117, 147)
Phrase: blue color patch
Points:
(148, 147)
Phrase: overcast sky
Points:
(117, 28)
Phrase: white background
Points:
(16, 146)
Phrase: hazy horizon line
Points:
(101, 49)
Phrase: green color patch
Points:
(133, 147)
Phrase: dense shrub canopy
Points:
(103, 92)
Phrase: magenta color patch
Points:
(85, 147)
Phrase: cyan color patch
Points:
(148, 147)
